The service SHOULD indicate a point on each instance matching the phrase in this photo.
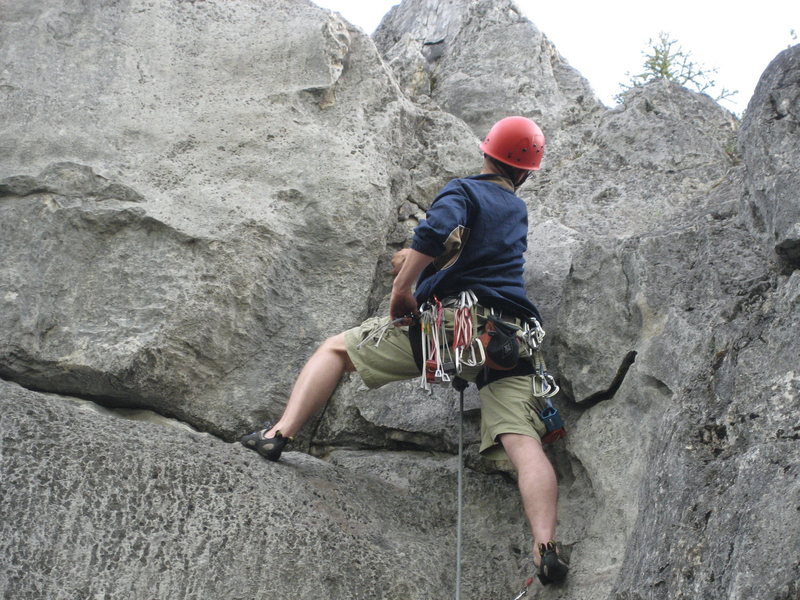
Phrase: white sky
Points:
(604, 40)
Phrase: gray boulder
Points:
(650, 160)
(97, 506)
(723, 489)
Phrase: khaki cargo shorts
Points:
(507, 405)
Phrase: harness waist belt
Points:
(483, 311)
(487, 376)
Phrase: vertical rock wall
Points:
(194, 194)
(190, 190)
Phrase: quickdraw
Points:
(533, 334)
(443, 361)
(436, 370)
(465, 333)
(543, 384)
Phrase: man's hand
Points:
(407, 264)
(398, 259)
(402, 307)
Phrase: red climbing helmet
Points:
(515, 141)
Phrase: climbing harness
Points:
(441, 362)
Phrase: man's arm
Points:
(408, 264)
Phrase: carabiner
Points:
(553, 385)
(540, 386)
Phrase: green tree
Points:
(665, 59)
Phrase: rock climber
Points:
(471, 245)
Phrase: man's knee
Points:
(338, 346)
(521, 448)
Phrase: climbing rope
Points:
(442, 363)
(460, 385)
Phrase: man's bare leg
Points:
(537, 486)
(314, 385)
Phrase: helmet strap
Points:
(516, 176)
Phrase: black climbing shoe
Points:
(270, 448)
(551, 568)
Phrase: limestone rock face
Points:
(648, 161)
(196, 203)
(479, 59)
(769, 143)
(193, 195)
(97, 506)
(727, 456)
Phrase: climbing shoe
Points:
(268, 447)
(551, 568)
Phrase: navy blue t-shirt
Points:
(477, 229)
